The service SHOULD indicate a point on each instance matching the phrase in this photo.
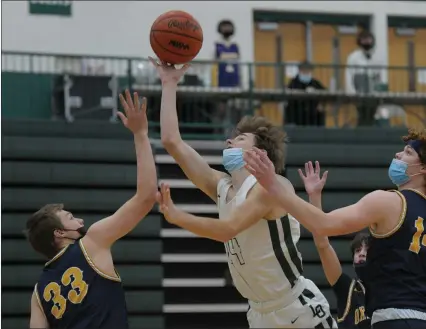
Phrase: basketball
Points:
(176, 37)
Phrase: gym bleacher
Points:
(172, 278)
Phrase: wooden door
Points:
(398, 79)
(293, 50)
(323, 47)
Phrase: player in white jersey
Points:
(260, 238)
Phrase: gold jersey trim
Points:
(418, 192)
(59, 254)
(39, 301)
(348, 302)
(400, 222)
(97, 270)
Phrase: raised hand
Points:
(168, 73)
(312, 180)
(259, 165)
(165, 202)
(135, 119)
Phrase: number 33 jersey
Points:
(263, 259)
(73, 293)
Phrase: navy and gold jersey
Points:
(396, 262)
(73, 293)
(350, 295)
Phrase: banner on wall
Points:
(50, 7)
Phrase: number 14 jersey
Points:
(263, 260)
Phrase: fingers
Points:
(129, 99)
(317, 167)
(254, 161)
(185, 68)
(122, 118)
(250, 169)
(307, 173)
(311, 168)
(153, 61)
(144, 104)
(136, 101)
(124, 104)
(300, 171)
(324, 176)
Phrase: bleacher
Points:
(172, 278)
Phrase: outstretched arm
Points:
(256, 206)
(369, 210)
(192, 163)
(314, 186)
(108, 230)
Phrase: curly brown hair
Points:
(269, 137)
(417, 135)
(40, 228)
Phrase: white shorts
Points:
(309, 310)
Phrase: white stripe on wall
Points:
(205, 308)
(194, 258)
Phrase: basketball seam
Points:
(177, 33)
(170, 51)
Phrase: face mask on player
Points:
(81, 230)
(360, 270)
(398, 172)
(233, 159)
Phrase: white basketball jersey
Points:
(263, 260)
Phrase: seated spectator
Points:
(305, 112)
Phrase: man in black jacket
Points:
(305, 112)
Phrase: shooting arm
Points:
(329, 260)
(37, 320)
(192, 164)
(367, 211)
(108, 230)
(256, 206)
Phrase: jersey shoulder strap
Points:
(222, 189)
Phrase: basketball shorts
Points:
(309, 310)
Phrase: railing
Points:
(391, 95)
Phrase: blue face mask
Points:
(305, 78)
(233, 159)
(398, 172)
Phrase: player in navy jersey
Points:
(396, 264)
(79, 287)
(349, 291)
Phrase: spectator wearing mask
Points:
(228, 54)
(361, 76)
(305, 112)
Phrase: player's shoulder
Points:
(380, 197)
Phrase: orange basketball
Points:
(176, 37)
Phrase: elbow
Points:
(227, 234)
(169, 141)
(147, 198)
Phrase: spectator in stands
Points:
(361, 76)
(302, 111)
(227, 54)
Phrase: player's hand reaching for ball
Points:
(312, 180)
(259, 165)
(135, 119)
(165, 203)
(168, 73)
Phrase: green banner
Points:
(50, 7)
